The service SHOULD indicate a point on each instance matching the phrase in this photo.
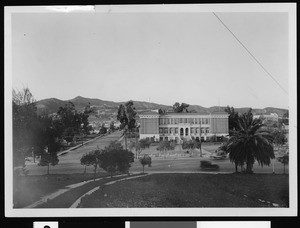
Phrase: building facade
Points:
(178, 126)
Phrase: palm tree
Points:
(250, 143)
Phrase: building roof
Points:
(186, 113)
(219, 112)
(149, 113)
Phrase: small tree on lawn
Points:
(145, 160)
(48, 158)
(114, 158)
(191, 144)
(165, 145)
(90, 159)
(140, 145)
(284, 160)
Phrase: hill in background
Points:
(108, 109)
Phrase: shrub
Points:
(146, 160)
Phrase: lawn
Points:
(193, 190)
(179, 152)
(28, 189)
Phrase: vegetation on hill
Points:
(52, 104)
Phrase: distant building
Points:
(176, 126)
(271, 117)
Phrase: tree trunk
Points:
(200, 148)
(143, 169)
(85, 169)
(95, 173)
(236, 167)
(125, 137)
(136, 143)
(249, 168)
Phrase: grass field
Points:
(193, 190)
(28, 189)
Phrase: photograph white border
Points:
(290, 8)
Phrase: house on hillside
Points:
(267, 117)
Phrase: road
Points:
(70, 162)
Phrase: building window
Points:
(166, 130)
(206, 121)
(176, 120)
(207, 130)
(171, 130)
(192, 131)
(176, 130)
(160, 130)
(202, 130)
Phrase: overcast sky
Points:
(161, 57)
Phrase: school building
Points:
(176, 126)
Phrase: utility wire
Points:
(250, 53)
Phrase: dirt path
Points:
(65, 199)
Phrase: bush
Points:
(114, 158)
(145, 160)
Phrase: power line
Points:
(250, 53)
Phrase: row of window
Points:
(184, 120)
(175, 130)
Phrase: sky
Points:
(158, 57)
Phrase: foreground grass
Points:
(193, 190)
(28, 189)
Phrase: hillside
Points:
(108, 109)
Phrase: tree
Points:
(191, 144)
(85, 125)
(126, 116)
(165, 145)
(32, 134)
(24, 116)
(48, 157)
(89, 159)
(145, 160)
(284, 160)
(112, 126)
(114, 158)
(286, 115)
(140, 145)
(72, 122)
(279, 137)
(233, 118)
(103, 129)
(161, 111)
(177, 107)
(250, 143)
